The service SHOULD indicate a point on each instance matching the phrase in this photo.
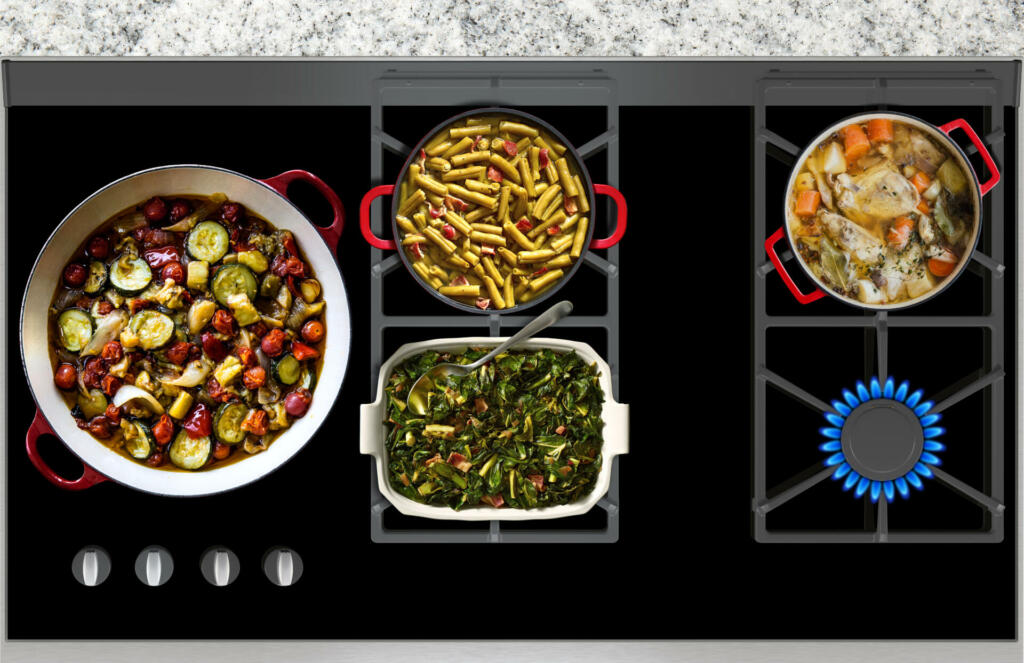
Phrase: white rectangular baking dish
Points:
(373, 432)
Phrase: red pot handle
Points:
(364, 217)
(620, 220)
(332, 233)
(990, 163)
(769, 246)
(90, 477)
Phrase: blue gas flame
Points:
(833, 434)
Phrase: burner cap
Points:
(882, 439)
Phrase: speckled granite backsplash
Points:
(573, 27)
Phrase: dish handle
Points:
(89, 478)
(370, 424)
(990, 163)
(620, 217)
(332, 233)
(769, 247)
(364, 217)
(616, 428)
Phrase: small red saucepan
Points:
(940, 136)
(591, 190)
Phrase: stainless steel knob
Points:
(219, 566)
(154, 566)
(91, 566)
(283, 566)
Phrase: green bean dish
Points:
(524, 431)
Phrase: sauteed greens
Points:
(523, 431)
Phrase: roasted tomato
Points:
(273, 343)
(254, 378)
(223, 322)
(199, 422)
(66, 376)
(163, 430)
(256, 422)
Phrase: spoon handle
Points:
(542, 321)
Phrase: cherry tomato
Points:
(155, 210)
(302, 352)
(99, 247)
(179, 210)
(199, 422)
(163, 430)
(173, 270)
(163, 256)
(214, 348)
(75, 275)
(313, 331)
(66, 376)
(297, 402)
(273, 343)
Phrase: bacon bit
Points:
(431, 461)
(423, 154)
(560, 430)
(511, 148)
(455, 203)
(494, 174)
(416, 250)
(554, 230)
(480, 405)
(486, 250)
(459, 461)
(483, 303)
(290, 280)
(436, 213)
(570, 206)
(524, 224)
(460, 280)
(448, 230)
(542, 159)
(538, 482)
(476, 141)
(494, 500)
(540, 271)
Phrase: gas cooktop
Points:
(755, 419)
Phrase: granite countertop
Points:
(570, 27)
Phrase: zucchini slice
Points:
(97, 277)
(92, 404)
(130, 274)
(190, 453)
(75, 327)
(233, 279)
(139, 443)
(153, 328)
(287, 369)
(227, 423)
(208, 241)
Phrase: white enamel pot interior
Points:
(373, 432)
(81, 223)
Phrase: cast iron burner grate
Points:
(885, 442)
(454, 89)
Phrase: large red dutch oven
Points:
(268, 198)
(592, 189)
(940, 134)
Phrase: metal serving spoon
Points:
(417, 400)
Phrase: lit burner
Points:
(883, 440)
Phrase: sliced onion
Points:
(193, 375)
(129, 392)
(107, 330)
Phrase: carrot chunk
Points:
(899, 231)
(856, 142)
(807, 203)
(940, 267)
(921, 181)
(880, 130)
(923, 207)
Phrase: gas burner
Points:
(882, 439)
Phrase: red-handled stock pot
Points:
(592, 189)
(268, 198)
(940, 134)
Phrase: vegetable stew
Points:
(493, 212)
(881, 212)
(524, 431)
(186, 332)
